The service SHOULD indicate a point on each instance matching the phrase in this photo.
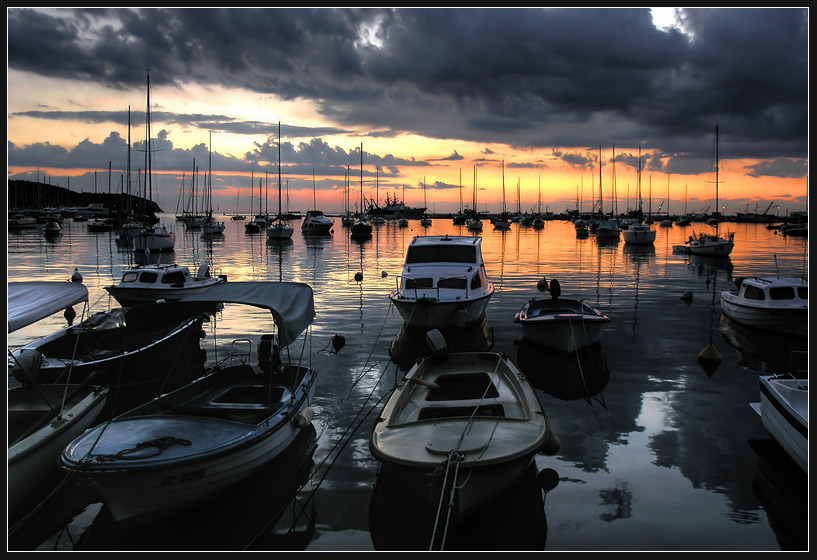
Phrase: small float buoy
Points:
(338, 342)
(384, 274)
(687, 297)
(76, 276)
(69, 315)
(358, 276)
(709, 359)
(542, 285)
(548, 479)
(555, 289)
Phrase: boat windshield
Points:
(438, 253)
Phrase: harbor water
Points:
(660, 450)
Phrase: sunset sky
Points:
(436, 97)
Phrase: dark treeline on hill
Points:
(31, 195)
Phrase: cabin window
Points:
(418, 283)
(802, 291)
(148, 277)
(132, 276)
(753, 292)
(476, 280)
(784, 292)
(173, 278)
(452, 283)
(430, 254)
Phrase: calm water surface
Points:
(657, 451)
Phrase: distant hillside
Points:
(31, 195)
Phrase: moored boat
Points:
(189, 445)
(771, 303)
(153, 282)
(783, 409)
(42, 417)
(564, 324)
(460, 429)
(639, 234)
(443, 283)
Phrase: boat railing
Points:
(435, 290)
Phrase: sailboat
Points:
(348, 218)
(608, 227)
(709, 244)
(211, 225)
(502, 222)
(280, 229)
(378, 217)
(539, 221)
(459, 217)
(252, 226)
(474, 223)
(154, 238)
(425, 221)
(361, 229)
(315, 222)
(639, 233)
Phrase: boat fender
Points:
(303, 418)
(70, 315)
(424, 383)
(687, 297)
(552, 444)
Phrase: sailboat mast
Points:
(279, 170)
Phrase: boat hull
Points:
(563, 324)
(470, 415)
(429, 314)
(206, 456)
(33, 471)
(130, 296)
(637, 236)
(784, 413)
(790, 321)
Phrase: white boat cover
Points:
(29, 302)
(291, 303)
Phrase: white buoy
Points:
(76, 276)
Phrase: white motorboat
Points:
(42, 417)
(52, 228)
(608, 230)
(639, 234)
(153, 282)
(188, 445)
(154, 239)
(460, 429)
(783, 409)
(711, 245)
(769, 303)
(444, 282)
(564, 324)
(316, 223)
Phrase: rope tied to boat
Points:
(160, 445)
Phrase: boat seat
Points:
(243, 403)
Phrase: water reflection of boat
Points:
(187, 445)
(400, 520)
(777, 353)
(243, 519)
(460, 429)
(779, 485)
(783, 409)
(411, 343)
(567, 376)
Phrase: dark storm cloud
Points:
(527, 77)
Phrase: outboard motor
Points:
(25, 363)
